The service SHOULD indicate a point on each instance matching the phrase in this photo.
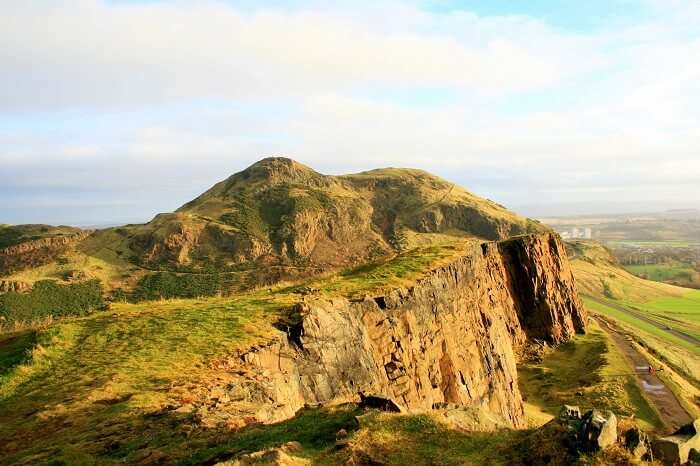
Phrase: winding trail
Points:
(655, 390)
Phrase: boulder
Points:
(598, 430)
(637, 442)
(675, 449)
(570, 413)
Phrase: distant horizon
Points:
(117, 109)
(106, 210)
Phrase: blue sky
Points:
(112, 111)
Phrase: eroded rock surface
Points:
(450, 339)
(37, 252)
(8, 286)
(675, 449)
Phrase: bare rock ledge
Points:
(452, 338)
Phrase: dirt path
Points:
(641, 316)
(672, 413)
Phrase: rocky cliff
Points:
(34, 253)
(452, 339)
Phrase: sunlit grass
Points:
(588, 371)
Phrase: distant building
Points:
(588, 233)
(575, 233)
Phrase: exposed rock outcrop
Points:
(37, 252)
(450, 339)
(7, 286)
(676, 448)
(541, 281)
(598, 430)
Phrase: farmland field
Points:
(661, 272)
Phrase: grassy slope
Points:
(661, 272)
(93, 388)
(588, 371)
(597, 274)
(263, 210)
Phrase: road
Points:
(656, 391)
(641, 316)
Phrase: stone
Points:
(10, 286)
(34, 253)
(570, 413)
(598, 430)
(637, 442)
(292, 447)
(694, 457)
(675, 449)
(186, 408)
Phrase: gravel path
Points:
(672, 413)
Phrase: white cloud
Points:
(68, 53)
(533, 109)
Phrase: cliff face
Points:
(541, 281)
(37, 252)
(450, 339)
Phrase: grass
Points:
(686, 307)
(11, 235)
(424, 439)
(118, 368)
(653, 244)
(93, 389)
(15, 349)
(402, 270)
(598, 274)
(314, 429)
(640, 325)
(588, 371)
(112, 272)
(661, 272)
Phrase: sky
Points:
(114, 110)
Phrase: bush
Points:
(166, 285)
(49, 298)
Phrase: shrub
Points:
(166, 285)
(49, 298)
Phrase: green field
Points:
(662, 272)
(685, 307)
(641, 324)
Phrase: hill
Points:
(435, 329)
(277, 220)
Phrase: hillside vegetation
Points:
(277, 220)
(665, 319)
(118, 376)
(11, 235)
